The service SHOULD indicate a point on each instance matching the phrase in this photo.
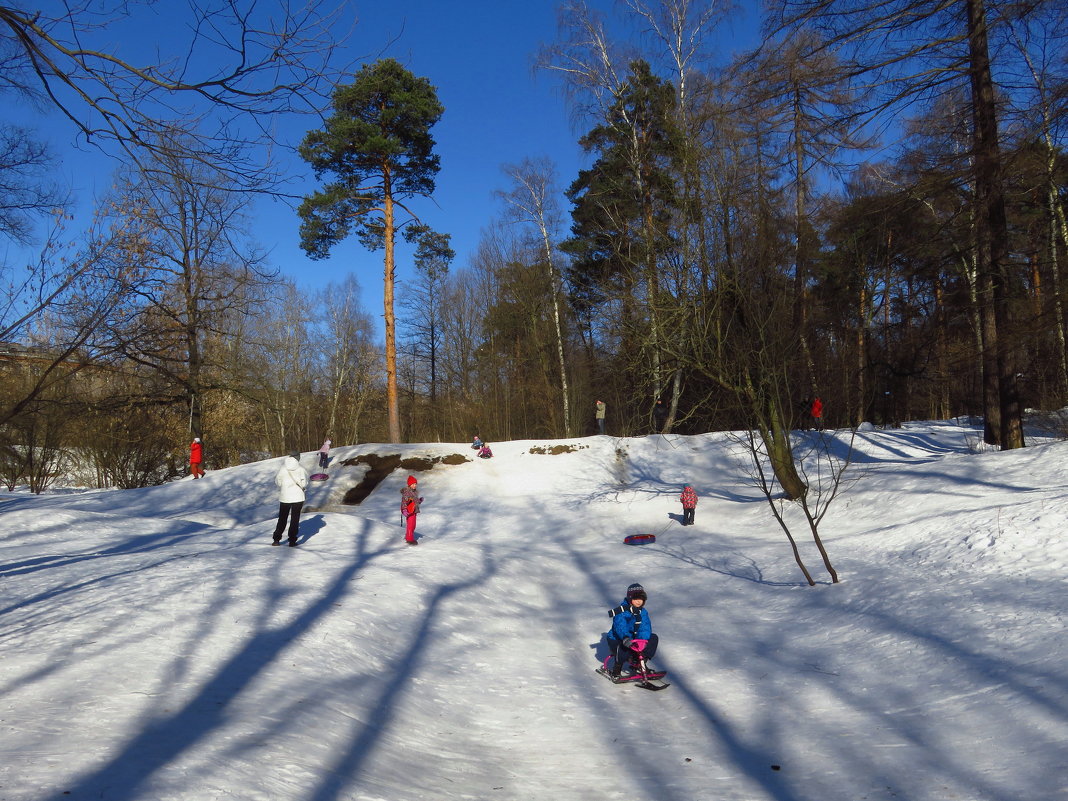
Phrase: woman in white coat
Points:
(291, 481)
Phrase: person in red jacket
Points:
(689, 505)
(817, 413)
(410, 501)
(196, 457)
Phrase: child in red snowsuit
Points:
(196, 457)
(410, 501)
(689, 505)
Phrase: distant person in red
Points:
(410, 501)
(817, 413)
(196, 457)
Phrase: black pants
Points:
(621, 654)
(687, 516)
(292, 511)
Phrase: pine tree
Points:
(378, 150)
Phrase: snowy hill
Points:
(154, 647)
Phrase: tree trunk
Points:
(676, 391)
(192, 344)
(862, 356)
(1058, 234)
(993, 230)
(942, 353)
(554, 289)
(776, 439)
(391, 321)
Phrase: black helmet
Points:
(636, 591)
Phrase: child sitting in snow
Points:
(476, 443)
(484, 452)
(632, 634)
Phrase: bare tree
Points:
(422, 298)
(241, 64)
(533, 199)
(1039, 40)
(24, 192)
(908, 52)
(277, 371)
(592, 65)
(463, 315)
(680, 30)
(681, 27)
(350, 360)
(201, 268)
(64, 306)
(823, 461)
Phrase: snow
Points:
(155, 647)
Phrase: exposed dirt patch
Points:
(556, 450)
(382, 466)
(428, 462)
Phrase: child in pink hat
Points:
(410, 501)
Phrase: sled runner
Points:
(640, 674)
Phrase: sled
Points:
(640, 675)
(318, 477)
(639, 539)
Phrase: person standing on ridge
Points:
(196, 457)
(324, 454)
(660, 416)
(601, 407)
(817, 413)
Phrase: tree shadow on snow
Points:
(131, 772)
(168, 735)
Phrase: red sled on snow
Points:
(639, 539)
(318, 477)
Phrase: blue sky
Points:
(479, 54)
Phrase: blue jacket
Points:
(630, 622)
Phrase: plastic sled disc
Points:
(318, 477)
(639, 539)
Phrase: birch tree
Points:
(533, 200)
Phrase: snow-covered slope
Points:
(155, 647)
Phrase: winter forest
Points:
(867, 206)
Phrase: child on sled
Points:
(631, 637)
